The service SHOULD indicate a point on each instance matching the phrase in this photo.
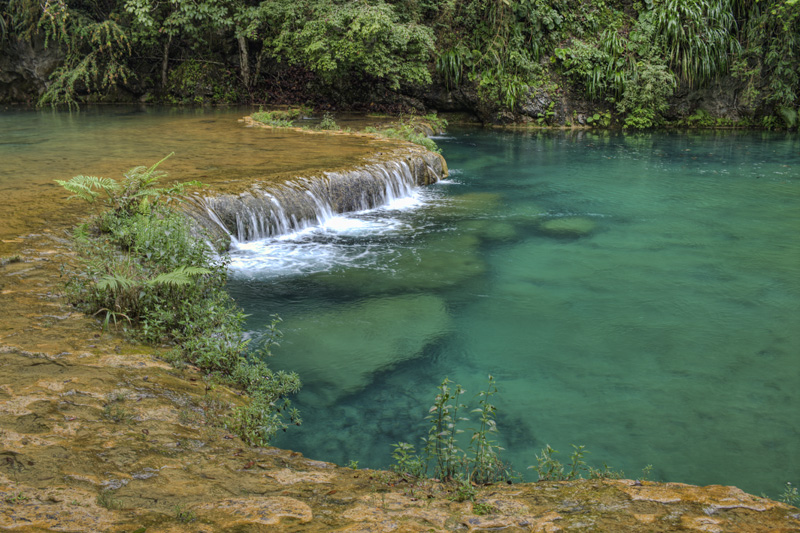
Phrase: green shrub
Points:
(141, 266)
(277, 119)
(551, 469)
(698, 36)
(645, 95)
(442, 449)
(328, 123)
(413, 129)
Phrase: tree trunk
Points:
(244, 61)
(259, 62)
(165, 63)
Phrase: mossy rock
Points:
(337, 351)
(573, 227)
(489, 230)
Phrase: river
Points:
(636, 294)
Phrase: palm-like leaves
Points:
(697, 33)
(117, 283)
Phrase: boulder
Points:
(337, 351)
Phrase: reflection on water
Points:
(636, 294)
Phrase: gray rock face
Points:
(25, 68)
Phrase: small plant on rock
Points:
(790, 495)
(328, 123)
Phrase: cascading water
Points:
(261, 212)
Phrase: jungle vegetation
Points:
(626, 57)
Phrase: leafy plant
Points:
(481, 509)
(790, 495)
(486, 465)
(327, 123)
(141, 263)
(16, 498)
(464, 490)
(413, 129)
(440, 445)
(698, 37)
(105, 499)
(355, 38)
(116, 413)
(95, 53)
(549, 468)
(407, 461)
(277, 119)
(645, 95)
(184, 516)
(442, 450)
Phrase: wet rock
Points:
(258, 210)
(470, 205)
(490, 230)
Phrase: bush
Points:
(442, 451)
(143, 267)
(414, 129)
(277, 119)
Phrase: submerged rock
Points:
(568, 227)
(336, 352)
(470, 205)
(437, 264)
(489, 230)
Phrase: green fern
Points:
(137, 192)
(115, 283)
(182, 275)
(86, 187)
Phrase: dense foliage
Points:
(624, 57)
(142, 269)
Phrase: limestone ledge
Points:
(155, 460)
(253, 209)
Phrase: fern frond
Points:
(180, 276)
(88, 187)
(115, 283)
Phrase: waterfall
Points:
(262, 211)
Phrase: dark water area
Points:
(636, 294)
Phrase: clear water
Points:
(668, 335)
(664, 331)
(209, 145)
